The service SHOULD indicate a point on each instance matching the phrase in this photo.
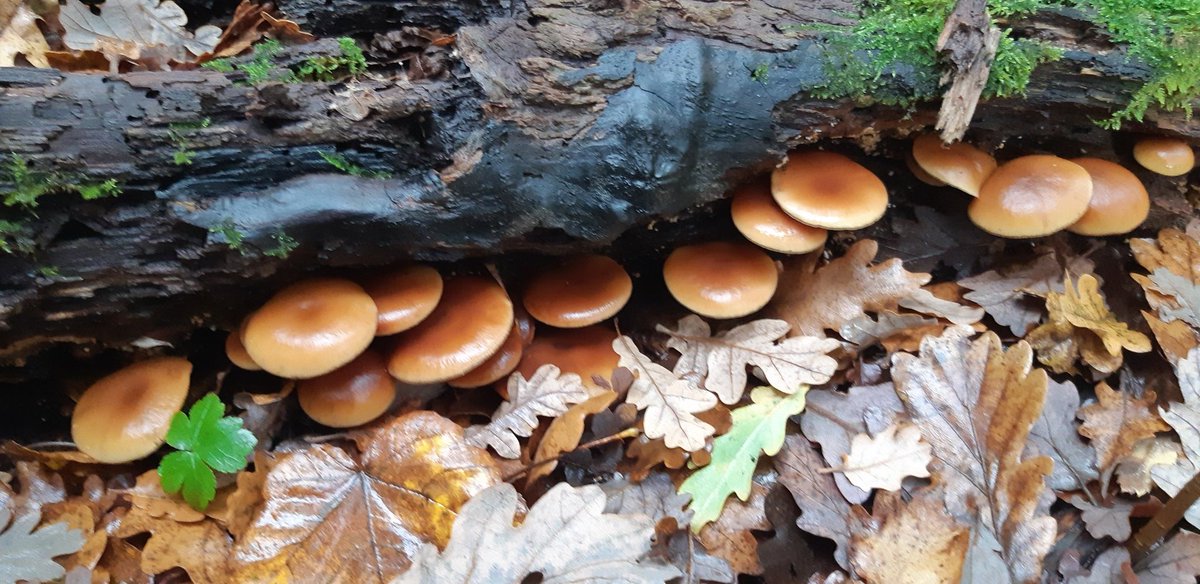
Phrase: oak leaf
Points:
(729, 537)
(1055, 434)
(926, 302)
(1108, 520)
(1177, 560)
(832, 419)
(136, 29)
(201, 548)
(564, 432)
(1174, 250)
(1134, 469)
(1081, 326)
(670, 403)
(1184, 418)
(1184, 293)
(335, 517)
(1175, 338)
(1117, 421)
(975, 403)
(27, 551)
(547, 393)
(1173, 286)
(882, 461)
(20, 35)
(913, 542)
(896, 332)
(1008, 295)
(565, 537)
(823, 511)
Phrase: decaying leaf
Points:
(832, 419)
(1174, 562)
(201, 548)
(1173, 286)
(1007, 295)
(1184, 418)
(1109, 520)
(1175, 338)
(1184, 294)
(729, 537)
(926, 302)
(882, 461)
(27, 552)
(331, 517)
(547, 393)
(1081, 326)
(894, 331)
(20, 35)
(975, 403)
(565, 537)
(1174, 250)
(564, 432)
(136, 29)
(822, 511)
(913, 542)
(1116, 422)
(251, 21)
(148, 498)
(1134, 469)
(670, 403)
(1054, 434)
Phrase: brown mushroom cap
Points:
(721, 279)
(1165, 156)
(236, 352)
(1119, 200)
(959, 165)
(350, 395)
(1032, 196)
(404, 297)
(759, 218)
(311, 328)
(125, 416)
(468, 326)
(497, 366)
(584, 351)
(828, 190)
(580, 291)
(920, 173)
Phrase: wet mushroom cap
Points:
(1119, 200)
(721, 279)
(350, 395)
(920, 173)
(125, 416)
(1165, 156)
(828, 190)
(497, 366)
(959, 165)
(585, 352)
(580, 291)
(1032, 196)
(236, 352)
(468, 326)
(758, 217)
(311, 328)
(404, 297)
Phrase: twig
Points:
(1163, 521)
(623, 434)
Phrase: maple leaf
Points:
(1007, 295)
(1184, 418)
(832, 419)
(1054, 434)
(842, 290)
(1134, 469)
(882, 462)
(1081, 325)
(333, 517)
(206, 440)
(757, 429)
(1110, 520)
(565, 537)
(20, 35)
(913, 542)
(547, 393)
(1116, 422)
(786, 364)
(822, 511)
(670, 402)
(975, 403)
(136, 29)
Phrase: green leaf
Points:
(757, 428)
(207, 440)
(185, 471)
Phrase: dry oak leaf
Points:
(882, 462)
(1184, 295)
(670, 403)
(1175, 338)
(1111, 520)
(332, 517)
(1184, 418)
(1174, 250)
(1081, 325)
(926, 302)
(842, 290)
(896, 332)
(201, 548)
(729, 537)
(1055, 434)
(786, 365)
(20, 35)
(975, 403)
(1007, 294)
(917, 542)
(235, 508)
(149, 499)
(832, 419)
(1134, 469)
(564, 432)
(1174, 562)
(26, 553)
(1117, 421)
(547, 393)
(823, 511)
(565, 537)
(136, 29)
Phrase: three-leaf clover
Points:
(206, 440)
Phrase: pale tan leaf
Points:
(1174, 250)
(864, 330)
(729, 537)
(1184, 418)
(832, 419)
(20, 35)
(1184, 293)
(547, 393)
(917, 542)
(1175, 338)
(1081, 326)
(564, 432)
(1134, 470)
(136, 29)
(26, 553)
(882, 462)
(1007, 295)
(202, 549)
(149, 499)
(1117, 421)
(1109, 520)
(1176, 561)
(823, 511)
(1055, 434)
(925, 302)
(670, 403)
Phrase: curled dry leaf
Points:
(136, 29)
(20, 35)
(670, 403)
(832, 419)
(1081, 326)
(882, 462)
(823, 511)
(547, 393)
(1007, 294)
(913, 542)
(1117, 421)
(565, 537)
(926, 302)
(331, 516)
(564, 432)
(1055, 434)
(252, 21)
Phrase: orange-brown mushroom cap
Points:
(1032, 196)
(404, 297)
(497, 366)
(125, 416)
(758, 217)
(1119, 200)
(585, 352)
(1165, 156)
(578, 292)
(350, 395)
(828, 190)
(236, 352)
(721, 279)
(468, 326)
(311, 328)
(959, 165)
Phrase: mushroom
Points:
(350, 395)
(311, 328)
(920, 173)
(1165, 156)
(125, 416)
(404, 297)
(580, 291)
(1119, 200)
(497, 366)
(959, 165)
(828, 190)
(585, 352)
(236, 352)
(721, 279)
(468, 326)
(1032, 196)
(758, 217)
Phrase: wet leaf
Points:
(832, 419)
(883, 461)
(670, 403)
(1117, 421)
(136, 29)
(913, 542)
(20, 35)
(1009, 295)
(547, 393)
(1055, 434)
(823, 511)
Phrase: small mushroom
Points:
(311, 328)
(497, 366)
(721, 279)
(350, 395)
(236, 352)
(585, 352)
(404, 297)
(125, 416)
(1032, 196)
(758, 217)
(468, 326)
(579, 291)
(920, 173)
(1119, 200)
(959, 165)
(828, 190)
(1165, 156)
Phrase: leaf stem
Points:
(623, 434)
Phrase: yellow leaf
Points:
(20, 35)
(1081, 325)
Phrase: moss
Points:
(234, 238)
(28, 188)
(284, 245)
(177, 133)
(262, 68)
(341, 163)
(760, 73)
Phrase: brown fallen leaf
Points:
(20, 35)
(1175, 338)
(1184, 418)
(671, 404)
(547, 393)
(251, 21)
(150, 30)
(202, 549)
(729, 537)
(884, 460)
(823, 511)
(1134, 469)
(1117, 421)
(1175, 561)
(263, 414)
(1081, 326)
(832, 419)
(896, 332)
(150, 500)
(1174, 250)
(564, 432)
(1009, 295)
(913, 542)
(234, 508)
(1108, 520)
(647, 454)
(1055, 434)
(331, 516)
